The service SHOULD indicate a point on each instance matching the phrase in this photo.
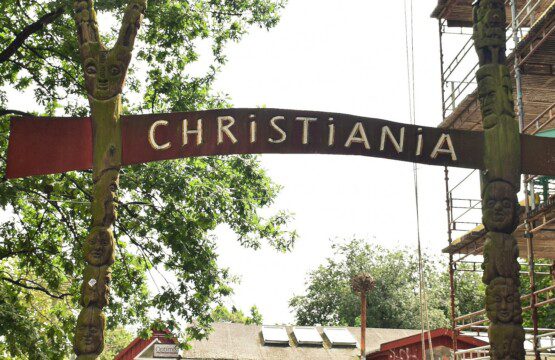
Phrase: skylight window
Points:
(340, 337)
(275, 335)
(307, 335)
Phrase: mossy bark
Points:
(104, 71)
(99, 247)
(500, 181)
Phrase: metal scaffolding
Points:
(531, 53)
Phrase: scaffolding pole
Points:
(518, 73)
(451, 265)
(533, 297)
(527, 233)
(441, 67)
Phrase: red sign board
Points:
(40, 145)
(54, 145)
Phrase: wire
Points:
(424, 318)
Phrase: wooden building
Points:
(252, 342)
(144, 348)
(410, 348)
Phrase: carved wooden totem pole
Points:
(105, 71)
(500, 182)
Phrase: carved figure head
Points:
(506, 342)
(96, 286)
(99, 247)
(503, 301)
(495, 94)
(104, 71)
(89, 334)
(499, 207)
(489, 25)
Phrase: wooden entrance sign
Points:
(41, 145)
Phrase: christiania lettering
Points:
(228, 133)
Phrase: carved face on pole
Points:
(89, 334)
(104, 71)
(503, 301)
(96, 286)
(489, 23)
(499, 207)
(495, 103)
(99, 247)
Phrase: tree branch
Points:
(39, 55)
(4, 254)
(36, 79)
(4, 112)
(23, 283)
(28, 31)
(85, 192)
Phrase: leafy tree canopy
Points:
(166, 210)
(223, 314)
(38, 48)
(116, 340)
(395, 301)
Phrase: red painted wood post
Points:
(363, 325)
(362, 284)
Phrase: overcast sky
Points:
(339, 56)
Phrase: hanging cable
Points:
(424, 318)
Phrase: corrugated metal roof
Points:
(244, 342)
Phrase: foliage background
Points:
(167, 210)
(395, 301)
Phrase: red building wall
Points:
(138, 345)
(410, 348)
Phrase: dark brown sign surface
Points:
(53, 145)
